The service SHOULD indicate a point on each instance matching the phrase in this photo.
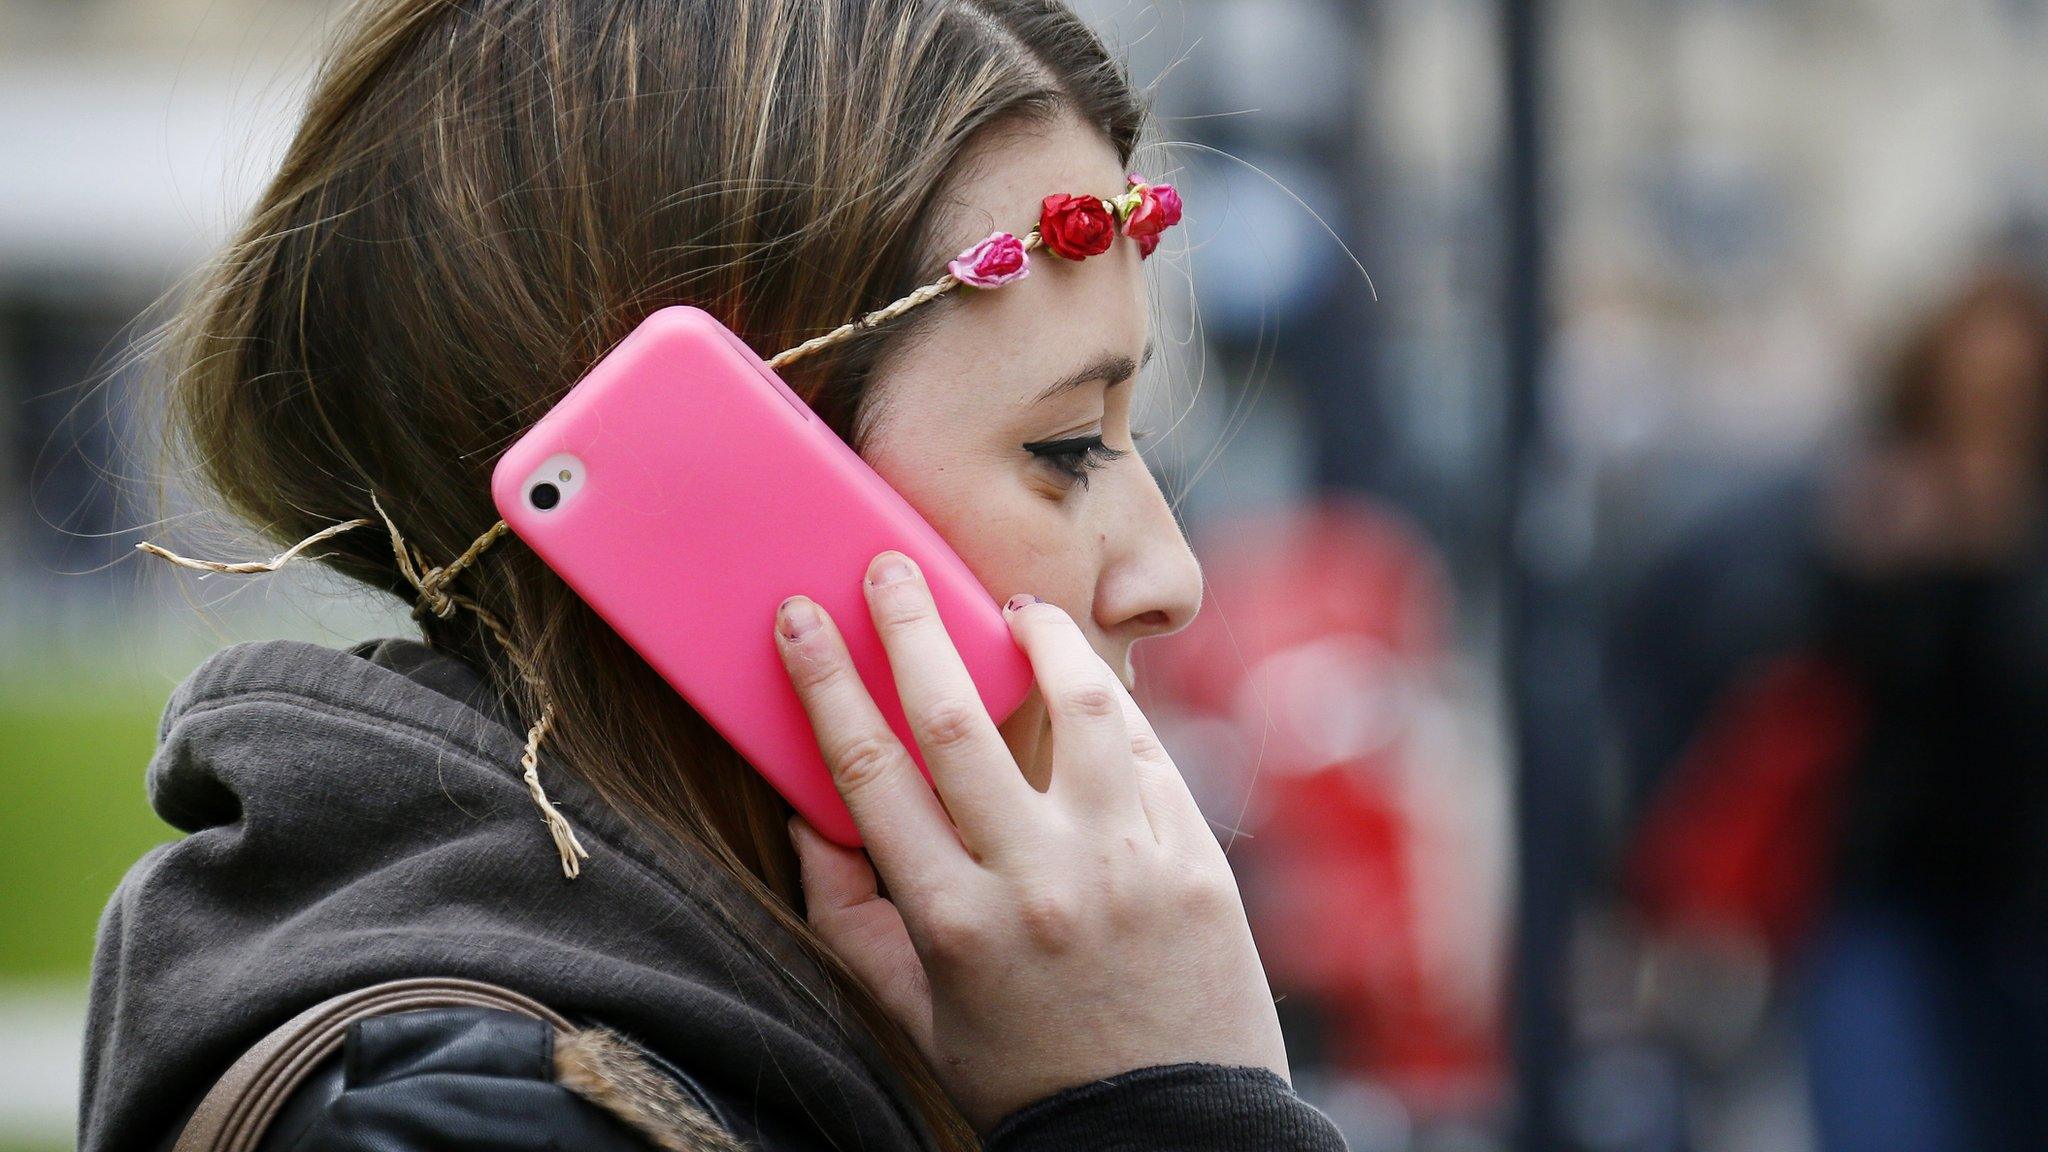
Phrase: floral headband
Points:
(1071, 227)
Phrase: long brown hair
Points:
(483, 196)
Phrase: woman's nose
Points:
(1151, 584)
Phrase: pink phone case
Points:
(695, 492)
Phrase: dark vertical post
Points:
(1546, 654)
(1337, 357)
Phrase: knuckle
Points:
(863, 762)
(1087, 700)
(951, 935)
(949, 723)
(1051, 921)
(1201, 895)
(1146, 746)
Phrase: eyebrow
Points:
(1110, 369)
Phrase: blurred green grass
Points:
(73, 814)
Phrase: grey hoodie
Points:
(357, 816)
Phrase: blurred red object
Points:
(1323, 636)
(1738, 840)
(1343, 567)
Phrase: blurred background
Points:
(1623, 683)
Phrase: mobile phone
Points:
(684, 491)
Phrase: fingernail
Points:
(799, 618)
(1019, 601)
(892, 569)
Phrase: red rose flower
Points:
(1147, 220)
(1153, 208)
(1076, 226)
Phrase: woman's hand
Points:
(1033, 941)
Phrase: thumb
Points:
(864, 930)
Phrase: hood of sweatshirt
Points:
(355, 816)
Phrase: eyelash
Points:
(1076, 456)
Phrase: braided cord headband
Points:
(1072, 227)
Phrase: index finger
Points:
(905, 830)
(971, 766)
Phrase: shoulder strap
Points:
(247, 1098)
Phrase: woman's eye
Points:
(1076, 456)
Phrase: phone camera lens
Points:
(545, 496)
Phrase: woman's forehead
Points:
(991, 353)
(1005, 174)
(1011, 342)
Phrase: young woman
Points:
(483, 197)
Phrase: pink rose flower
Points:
(1169, 203)
(992, 263)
